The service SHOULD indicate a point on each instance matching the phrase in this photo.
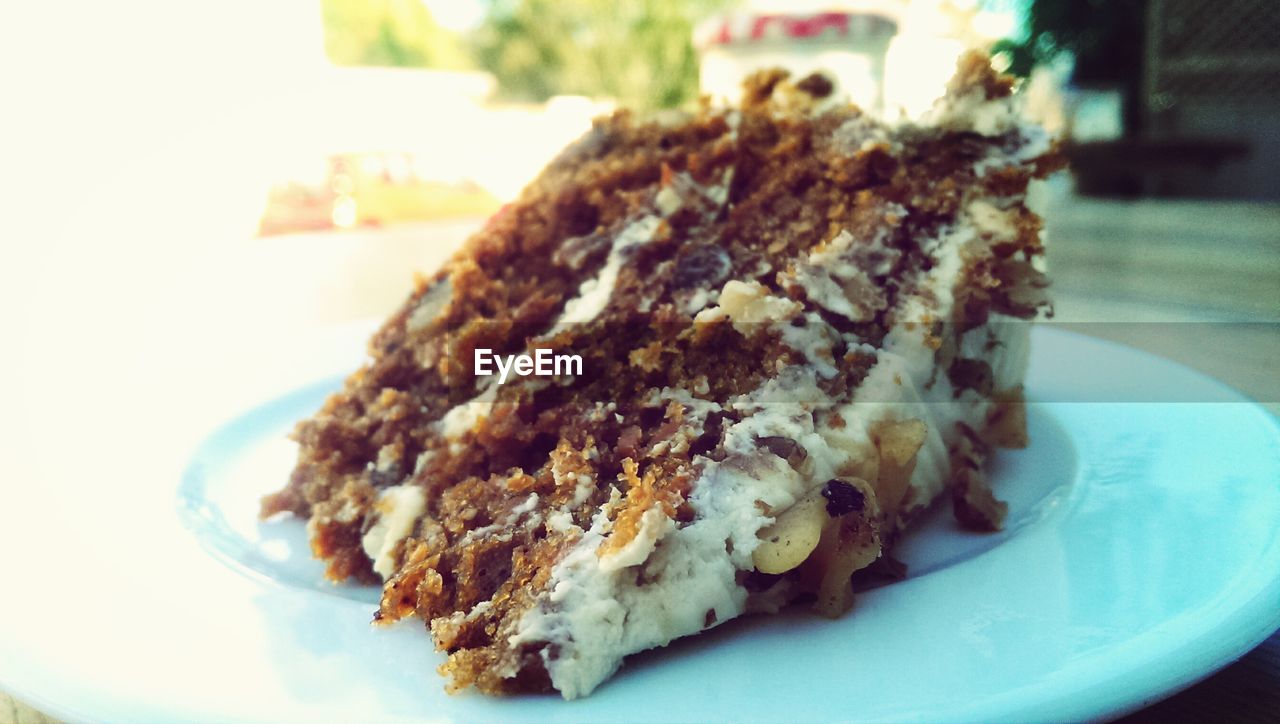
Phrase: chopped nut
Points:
(785, 448)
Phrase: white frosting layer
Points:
(597, 612)
(673, 580)
(845, 263)
(399, 508)
(594, 293)
(463, 417)
(974, 112)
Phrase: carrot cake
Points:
(707, 364)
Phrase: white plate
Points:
(1142, 553)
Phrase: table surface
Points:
(1196, 282)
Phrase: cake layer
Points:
(795, 327)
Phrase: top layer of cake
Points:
(755, 293)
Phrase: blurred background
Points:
(311, 155)
(415, 118)
(203, 204)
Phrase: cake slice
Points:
(794, 328)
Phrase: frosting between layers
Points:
(596, 612)
(400, 507)
(594, 293)
(672, 579)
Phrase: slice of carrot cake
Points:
(706, 364)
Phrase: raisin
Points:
(709, 440)
(384, 478)
(755, 581)
(971, 374)
(816, 85)
(706, 266)
(842, 498)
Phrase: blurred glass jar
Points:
(850, 47)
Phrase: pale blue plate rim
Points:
(1142, 669)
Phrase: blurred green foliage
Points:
(639, 52)
(389, 33)
(1105, 39)
(1103, 36)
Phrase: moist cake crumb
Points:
(798, 326)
